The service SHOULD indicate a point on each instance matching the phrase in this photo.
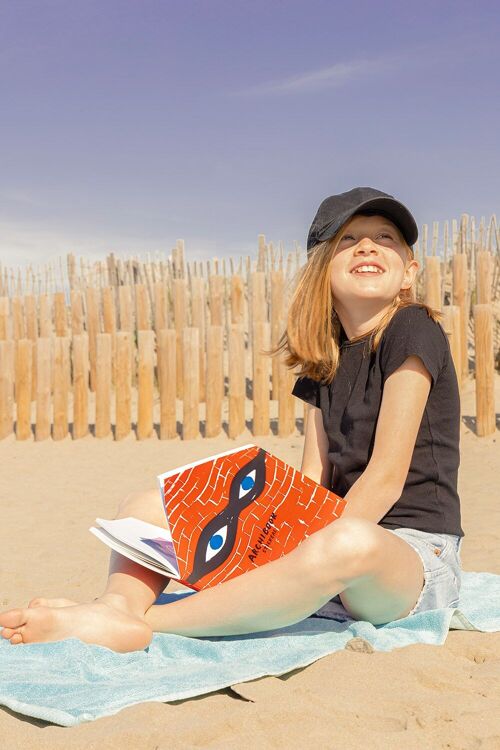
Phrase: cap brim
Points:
(390, 207)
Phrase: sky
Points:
(127, 124)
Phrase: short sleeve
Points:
(413, 332)
(308, 390)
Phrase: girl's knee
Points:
(144, 504)
(346, 549)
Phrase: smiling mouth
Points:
(367, 271)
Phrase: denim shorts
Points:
(440, 555)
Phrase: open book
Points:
(225, 515)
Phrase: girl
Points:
(382, 430)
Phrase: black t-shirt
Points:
(350, 406)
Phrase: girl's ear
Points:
(410, 274)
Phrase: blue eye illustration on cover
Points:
(217, 539)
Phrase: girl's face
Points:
(370, 266)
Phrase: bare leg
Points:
(115, 619)
(380, 575)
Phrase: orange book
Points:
(226, 514)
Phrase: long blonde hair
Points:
(312, 335)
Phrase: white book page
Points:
(150, 542)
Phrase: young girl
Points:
(382, 430)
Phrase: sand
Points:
(415, 697)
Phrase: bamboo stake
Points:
(103, 385)
(76, 303)
(166, 382)
(60, 314)
(198, 320)
(93, 328)
(80, 385)
(451, 324)
(45, 312)
(485, 369)
(260, 380)
(459, 267)
(5, 321)
(286, 402)
(484, 277)
(43, 353)
(23, 389)
(180, 322)
(215, 376)
(277, 316)
(191, 396)
(18, 327)
(61, 384)
(433, 281)
(145, 384)
(6, 388)
(143, 316)
(236, 381)
(123, 387)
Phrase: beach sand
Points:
(419, 697)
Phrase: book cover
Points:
(235, 511)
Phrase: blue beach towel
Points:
(70, 682)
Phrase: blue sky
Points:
(127, 125)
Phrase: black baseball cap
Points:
(337, 209)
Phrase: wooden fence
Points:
(169, 348)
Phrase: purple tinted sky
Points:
(129, 124)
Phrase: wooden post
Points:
(277, 317)
(161, 308)
(125, 305)
(459, 266)
(6, 387)
(5, 322)
(485, 370)
(237, 299)
(484, 277)
(143, 315)
(80, 386)
(23, 389)
(198, 320)
(61, 385)
(45, 313)
(260, 379)
(60, 314)
(180, 320)
(166, 381)
(43, 388)
(191, 396)
(93, 328)
(216, 299)
(123, 386)
(215, 376)
(146, 341)
(433, 282)
(18, 327)
(236, 381)
(108, 310)
(103, 385)
(286, 402)
(76, 302)
(452, 327)
(32, 333)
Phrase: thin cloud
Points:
(333, 76)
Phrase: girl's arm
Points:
(403, 402)
(315, 463)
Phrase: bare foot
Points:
(40, 601)
(97, 622)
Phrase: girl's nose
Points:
(366, 245)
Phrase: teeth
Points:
(364, 269)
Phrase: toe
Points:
(13, 619)
(8, 633)
(16, 639)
